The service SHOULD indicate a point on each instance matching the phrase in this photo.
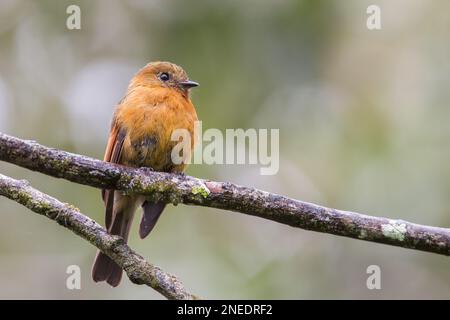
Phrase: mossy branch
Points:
(173, 188)
(137, 268)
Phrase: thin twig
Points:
(137, 268)
(176, 189)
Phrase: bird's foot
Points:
(146, 170)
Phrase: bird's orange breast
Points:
(148, 116)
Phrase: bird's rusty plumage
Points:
(140, 136)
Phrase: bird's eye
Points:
(164, 76)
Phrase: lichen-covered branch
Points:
(137, 268)
(176, 189)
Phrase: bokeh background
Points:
(363, 118)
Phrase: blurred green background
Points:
(363, 118)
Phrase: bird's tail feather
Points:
(104, 269)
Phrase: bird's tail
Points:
(104, 269)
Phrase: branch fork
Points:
(175, 189)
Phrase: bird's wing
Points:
(150, 216)
(112, 154)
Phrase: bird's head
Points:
(163, 74)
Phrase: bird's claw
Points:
(146, 170)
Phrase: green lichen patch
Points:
(394, 230)
(201, 190)
(362, 234)
(72, 207)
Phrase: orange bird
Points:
(157, 102)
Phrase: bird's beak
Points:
(189, 84)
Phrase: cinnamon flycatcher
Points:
(157, 102)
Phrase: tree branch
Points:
(173, 188)
(138, 270)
